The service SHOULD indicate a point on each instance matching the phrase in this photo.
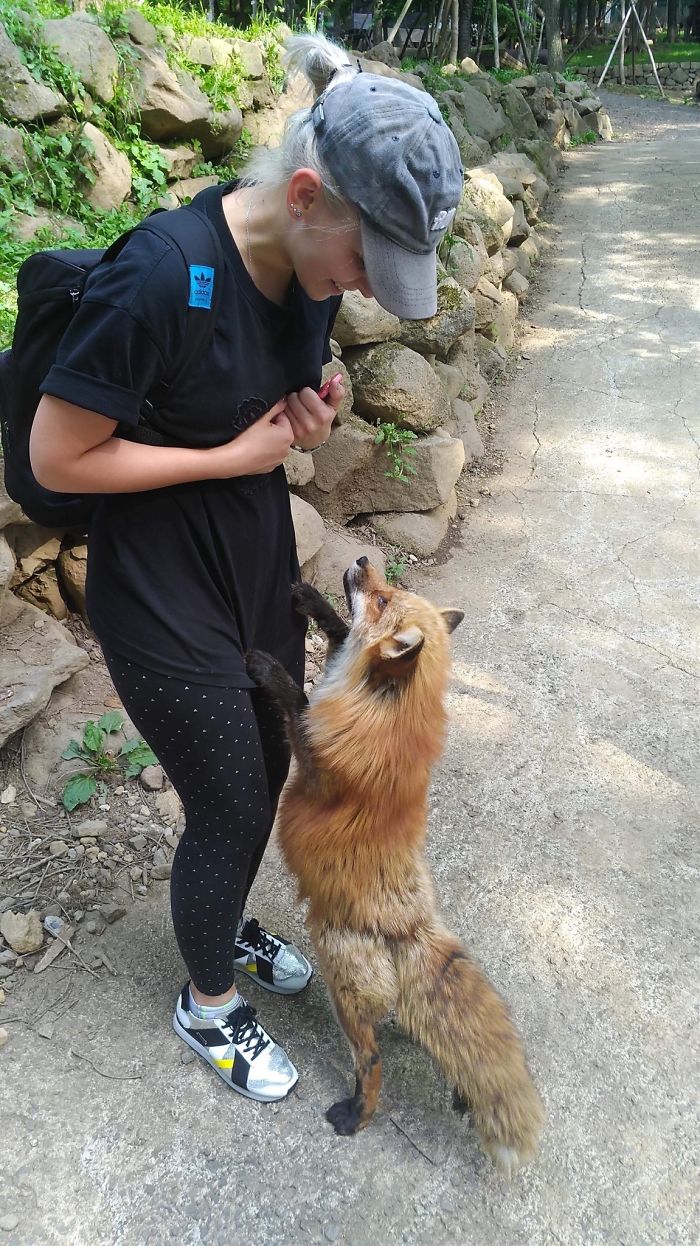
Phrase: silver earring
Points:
(293, 208)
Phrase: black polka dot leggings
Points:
(226, 754)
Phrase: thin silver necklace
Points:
(247, 234)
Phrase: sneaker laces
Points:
(259, 939)
(242, 1029)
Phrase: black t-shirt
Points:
(184, 579)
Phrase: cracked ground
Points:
(559, 834)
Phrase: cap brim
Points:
(402, 281)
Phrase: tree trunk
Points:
(454, 41)
(672, 35)
(581, 13)
(555, 52)
(464, 42)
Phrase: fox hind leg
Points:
(362, 985)
(450, 1007)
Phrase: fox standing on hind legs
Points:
(352, 827)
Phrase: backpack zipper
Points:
(75, 297)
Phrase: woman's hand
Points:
(261, 448)
(311, 416)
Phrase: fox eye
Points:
(381, 601)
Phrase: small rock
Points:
(160, 857)
(485, 491)
(93, 826)
(3, 1039)
(142, 889)
(111, 911)
(172, 841)
(145, 811)
(152, 778)
(2, 996)
(7, 956)
(168, 806)
(22, 931)
(474, 502)
(161, 872)
(6, 972)
(135, 872)
(188, 1056)
(138, 842)
(8, 796)
(95, 925)
(78, 915)
(331, 1231)
(45, 1029)
(119, 791)
(58, 847)
(54, 924)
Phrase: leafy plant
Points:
(131, 759)
(397, 442)
(580, 140)
(395, 568)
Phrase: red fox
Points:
(352, 824)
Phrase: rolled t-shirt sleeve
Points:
(127, 333)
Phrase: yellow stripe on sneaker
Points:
(250, 968)
(223, 1064)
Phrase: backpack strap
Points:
(195, 237)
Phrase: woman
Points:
(192, 549)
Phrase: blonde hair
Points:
(323, 64)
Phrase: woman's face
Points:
(327, 255)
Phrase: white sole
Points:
(249, 1094)
(268, 986)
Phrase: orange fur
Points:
(352, 826)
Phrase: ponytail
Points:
(323, 64)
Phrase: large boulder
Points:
(466, 262)
(250, 56)
(86, 48)
(472, 224)
(464, 426)
(362, 482)
(487, 299)
(518, 112)
(418, 532)
(169, 101)
(309, 530)
(110, 169)
(480, 117)
(454, 316)
(39, 654)
(397, 385)
(361, 321)
(218, 133)
(472, 149)
(21, 97)
(333, 368)
(11, 149)
(484, 191)
(544, 155)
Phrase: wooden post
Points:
(496, 49)
(622, 46)
(647, 46)
(521, 35)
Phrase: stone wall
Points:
(683, 75)
(427, 378)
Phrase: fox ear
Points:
(452, 618)
(406, 644)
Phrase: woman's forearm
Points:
(72, 450)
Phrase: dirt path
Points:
(559, 836)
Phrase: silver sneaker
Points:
(240, 1050)
(277, 965)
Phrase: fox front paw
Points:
(308, 601)
(345, 1116)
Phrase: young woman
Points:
(192, 550)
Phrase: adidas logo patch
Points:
(201, 286)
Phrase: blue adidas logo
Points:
(201, 286)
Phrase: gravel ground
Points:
(639, 119)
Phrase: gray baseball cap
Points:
(392, 154)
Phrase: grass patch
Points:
(664, 54)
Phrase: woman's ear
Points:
(304, 188)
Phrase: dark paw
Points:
(459, 1103)
(307, 600)
(261, 667)
(344, 1116)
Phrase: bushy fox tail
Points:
(447, 1004)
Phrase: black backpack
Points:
(50, 285)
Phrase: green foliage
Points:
(397, 443)
(229, 168)
(131, 759)
(395, 568)
(507, 75)
(581, 140)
